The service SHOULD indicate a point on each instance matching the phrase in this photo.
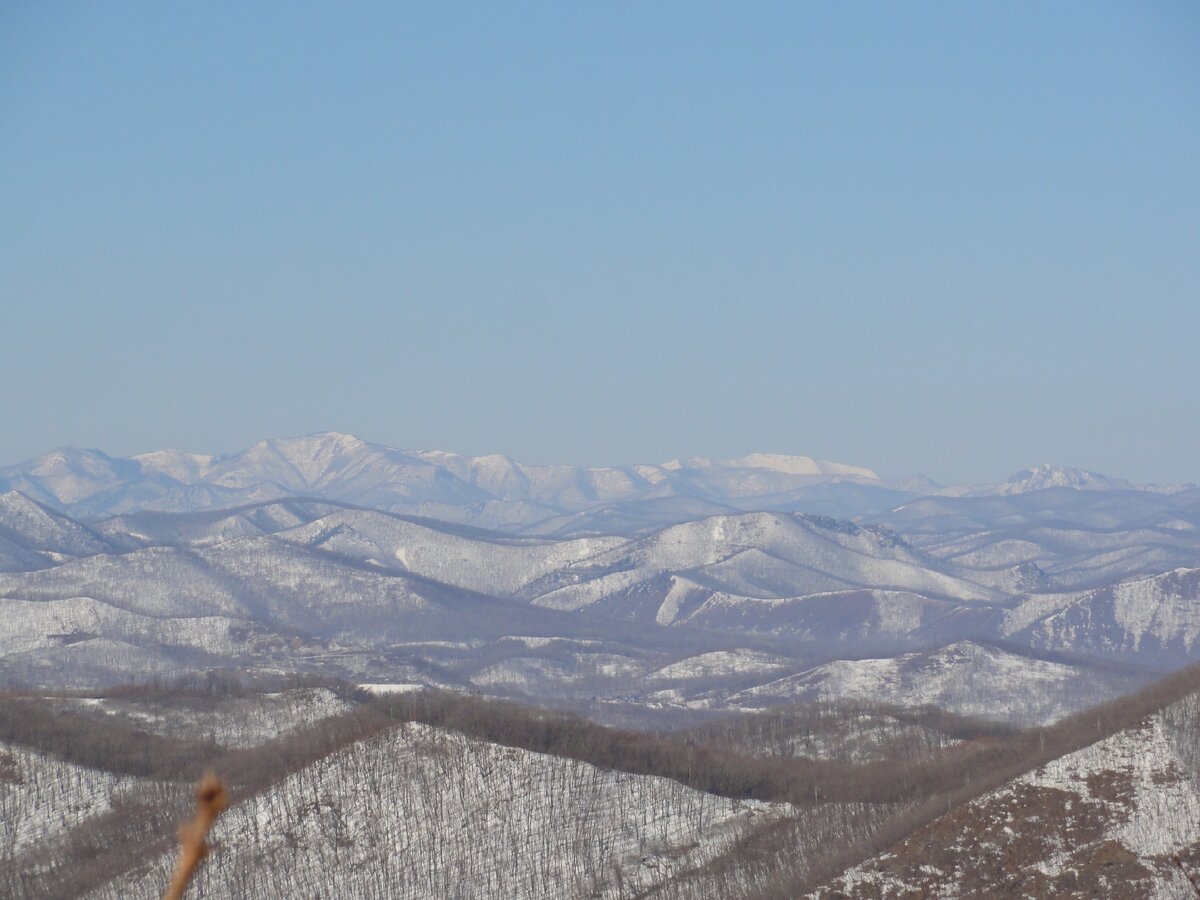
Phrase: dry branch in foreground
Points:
(211, 799)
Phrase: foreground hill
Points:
(430, 794)
(1118, 818)
(421, 812)
(433, 796)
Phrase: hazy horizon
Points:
(950, 240)
(944, 258)
(866, 464)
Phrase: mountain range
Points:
(494, 491)
(685, 589)
(793, 606)
(862, 657)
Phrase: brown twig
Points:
(211, 798)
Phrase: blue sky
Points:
(930, 237)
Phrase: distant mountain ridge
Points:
(1047, 477)
(492, 491)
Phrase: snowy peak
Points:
(68, 475)
(72, 461)
(1046, 476)
(691, 462)
(297, 463)
(323, 446)
(779, 463)
(186, 468)
(14, 504)
(799, 465)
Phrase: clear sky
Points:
(930, 237)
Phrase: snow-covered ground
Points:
(42, 797)
(718, 663)
(227, 721)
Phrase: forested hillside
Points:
(419, 794)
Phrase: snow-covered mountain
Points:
(965, 677)
(498, 492)
(776, 462)
(316, 586)
(691, 594)
(613, 574)
(695, 572)
(33, 536)
(491, 490)
(1155, 618)
(1040, 478)
(1047, 476)
(1078, 538)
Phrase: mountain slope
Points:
(1104, 821)
(252, 602)
(33, 536)
(474, 560)
(964, 678)
(421, 812)
(1078, 538)
(1156, 617)
(150, 528)
(765, 555)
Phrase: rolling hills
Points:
(303, 585)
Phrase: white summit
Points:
(799, 465)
